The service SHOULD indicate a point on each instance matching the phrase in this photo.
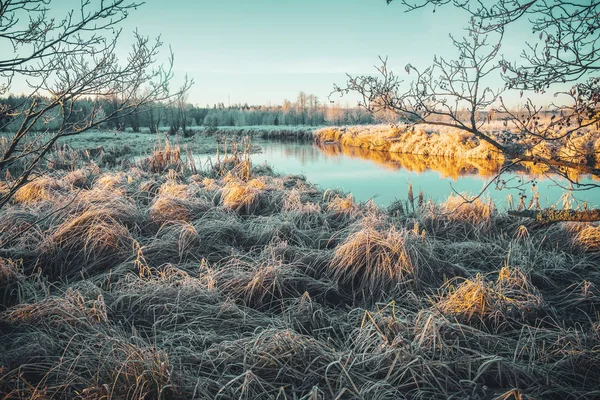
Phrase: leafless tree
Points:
(458, 93)
(65, 59)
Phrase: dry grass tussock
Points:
(269, 284)
(511, 296)
(171, 285)
(4, 188)
(178, 202)
(459, 217)
(373, 261)
(243, 196)
(93, 238)
(42, 188)
(81, 178)
(166, 208)
(9, 269)
(293, 203)
(115, 181)
(468, 209)
(135, 371)
(54, 311)
(585, 236)
(341, 205)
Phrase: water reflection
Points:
(385, 177)
(447, 167)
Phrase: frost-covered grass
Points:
(266, 131)
(164, 282)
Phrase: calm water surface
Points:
(385, 177)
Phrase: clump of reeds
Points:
(373, 261)
(510, 297)
(237, 164)
(41, 188)
(163, 158)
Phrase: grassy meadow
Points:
(149, 278)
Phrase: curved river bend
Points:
(385, 177)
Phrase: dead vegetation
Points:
(159, 282)
(447, 142)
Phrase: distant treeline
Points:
(181, 116)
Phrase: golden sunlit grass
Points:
(173, 189)
(421, 140)
(43, 188)
(175, 202)
(510, 296)
(341, 204)
(166, 208)
(164, 157)
(92, 238)
(114, 181)
(451, 144)
(239, 195)
(585, 236)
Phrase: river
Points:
(385, 177)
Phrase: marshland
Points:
(157, 278)
(435, 241)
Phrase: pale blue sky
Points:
(263, 51)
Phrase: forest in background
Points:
(180, 116)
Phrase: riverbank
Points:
(159, 281)
(430, 140)
(417, 141)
